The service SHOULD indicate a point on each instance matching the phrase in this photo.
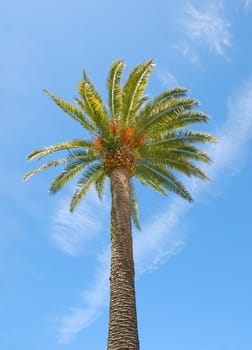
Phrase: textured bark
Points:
(123, 333)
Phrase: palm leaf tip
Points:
(32, 155)
(30, 173)
(188, 197)
(212, 139)
(27, 176)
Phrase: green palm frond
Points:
(162, 180)
(65, 146)
(166, 113)
(178, 164)
(150, 178)
(100, 184)
(70, 171)
(134, 205)
(180, 138)
(86, 181)
(86, 77)
(46, 166)
(179, 152)
(181, 121)
(178, 92)
(73, 111)
(190, 152)
(115, 90)
(93, 106)
(172, 182)
(133, 90)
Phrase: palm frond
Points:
(114, 89)
(86, 181)
(178, 164)
(171, 182)
(72, 111)
(179, 152)
(134, 205)
(95, 129)
(167, 112)
(150, 178)
(65, 146)
(46, 166)
(93, 106)
(178, 92)
(100, 184)
(70, 171)
(164, 179)
(180, 138)
(181, 121)
(133, 90)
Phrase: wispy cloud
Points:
(167, 78)
(247, 4)
(188, 52)
(162, 236)
(72, 231)
(93, 301)
(150, 250)
(208, 27)
(236, 132)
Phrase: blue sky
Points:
(193, 261)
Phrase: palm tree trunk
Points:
(123, 333)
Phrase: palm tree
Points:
(133, 136)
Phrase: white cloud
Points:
(208, 27)
(162, 236)
(72, 231)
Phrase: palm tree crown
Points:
(149, 137)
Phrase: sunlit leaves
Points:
(65, 146)
(133, 90)
(72, 111)
(93, 106)
(46, 166)
(115, 89)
